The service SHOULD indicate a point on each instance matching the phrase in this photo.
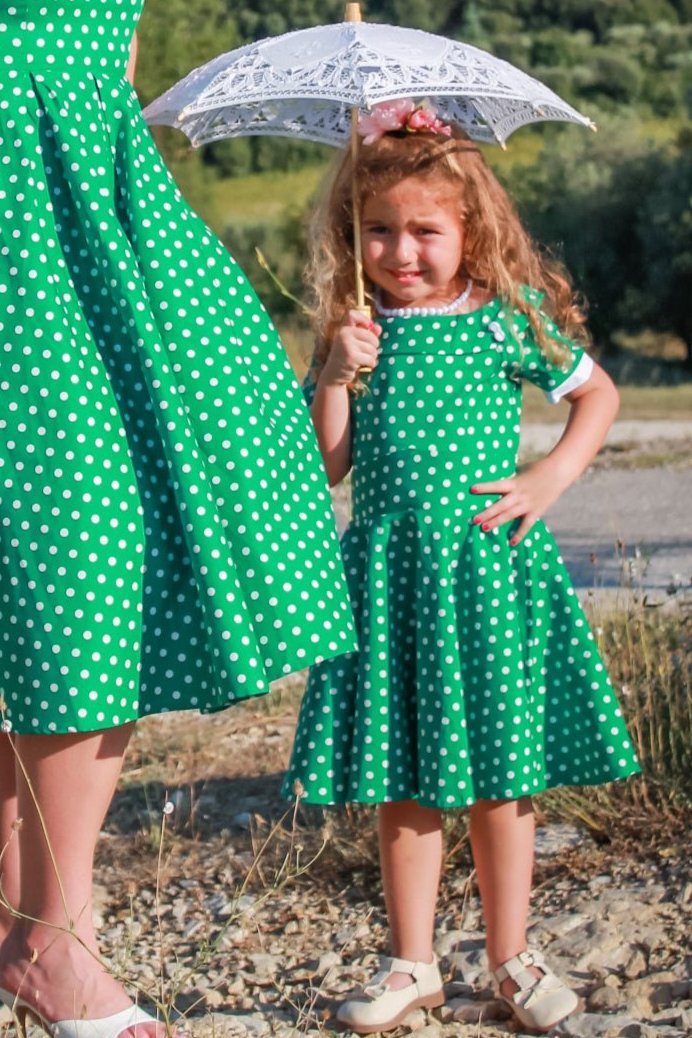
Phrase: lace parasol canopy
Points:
(305, 84)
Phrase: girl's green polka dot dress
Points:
(166, 535)
(478, 676)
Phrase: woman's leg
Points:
(9, 838)
(502, 839)
(72, 778)
(411, 860)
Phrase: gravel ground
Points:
(540, 436)
(227, 926)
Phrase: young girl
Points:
(478, 682)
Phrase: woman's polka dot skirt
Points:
(166, 535)
(478, 676)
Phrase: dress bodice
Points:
(442, 409)
(38, 35)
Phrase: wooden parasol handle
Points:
(353, 14)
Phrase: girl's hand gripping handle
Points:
(355, 348)
(366, 312)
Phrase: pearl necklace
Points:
(424, 311)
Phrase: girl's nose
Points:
(402, 247)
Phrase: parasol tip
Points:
(353, 13)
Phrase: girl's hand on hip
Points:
(356, 345)
(526, 497)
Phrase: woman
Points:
(166, 533)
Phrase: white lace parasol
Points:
(311, 84)
(306, 83)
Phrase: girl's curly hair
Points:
(498, 253)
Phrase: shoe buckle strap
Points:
(377, 985)
(394, 965)
(530, 987)
(541, 987)
(389, 965)
(374, 991)
(516, 967)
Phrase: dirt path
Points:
(627, 527)
(632, 529)
(540, 436)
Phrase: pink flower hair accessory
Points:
(401, 114)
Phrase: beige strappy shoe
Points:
(540, 1002)
(104, 1027)
(378, 1008)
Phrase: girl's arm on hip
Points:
(593, 407)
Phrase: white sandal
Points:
(104, 1027)
(539, 1002)
(378, 1008)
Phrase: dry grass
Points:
(648, 652)
(211, 765)
(643, 403)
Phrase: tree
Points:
(664, 230)
(443, 16)
(176, 36)
(619, 212)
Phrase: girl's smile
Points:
(413, 243)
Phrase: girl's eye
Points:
(377, 229)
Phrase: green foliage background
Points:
(615, 206)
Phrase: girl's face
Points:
(413, 243)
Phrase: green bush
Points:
(283, 247)
(617, 210)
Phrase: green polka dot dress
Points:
(478, 676)
(166, 535)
